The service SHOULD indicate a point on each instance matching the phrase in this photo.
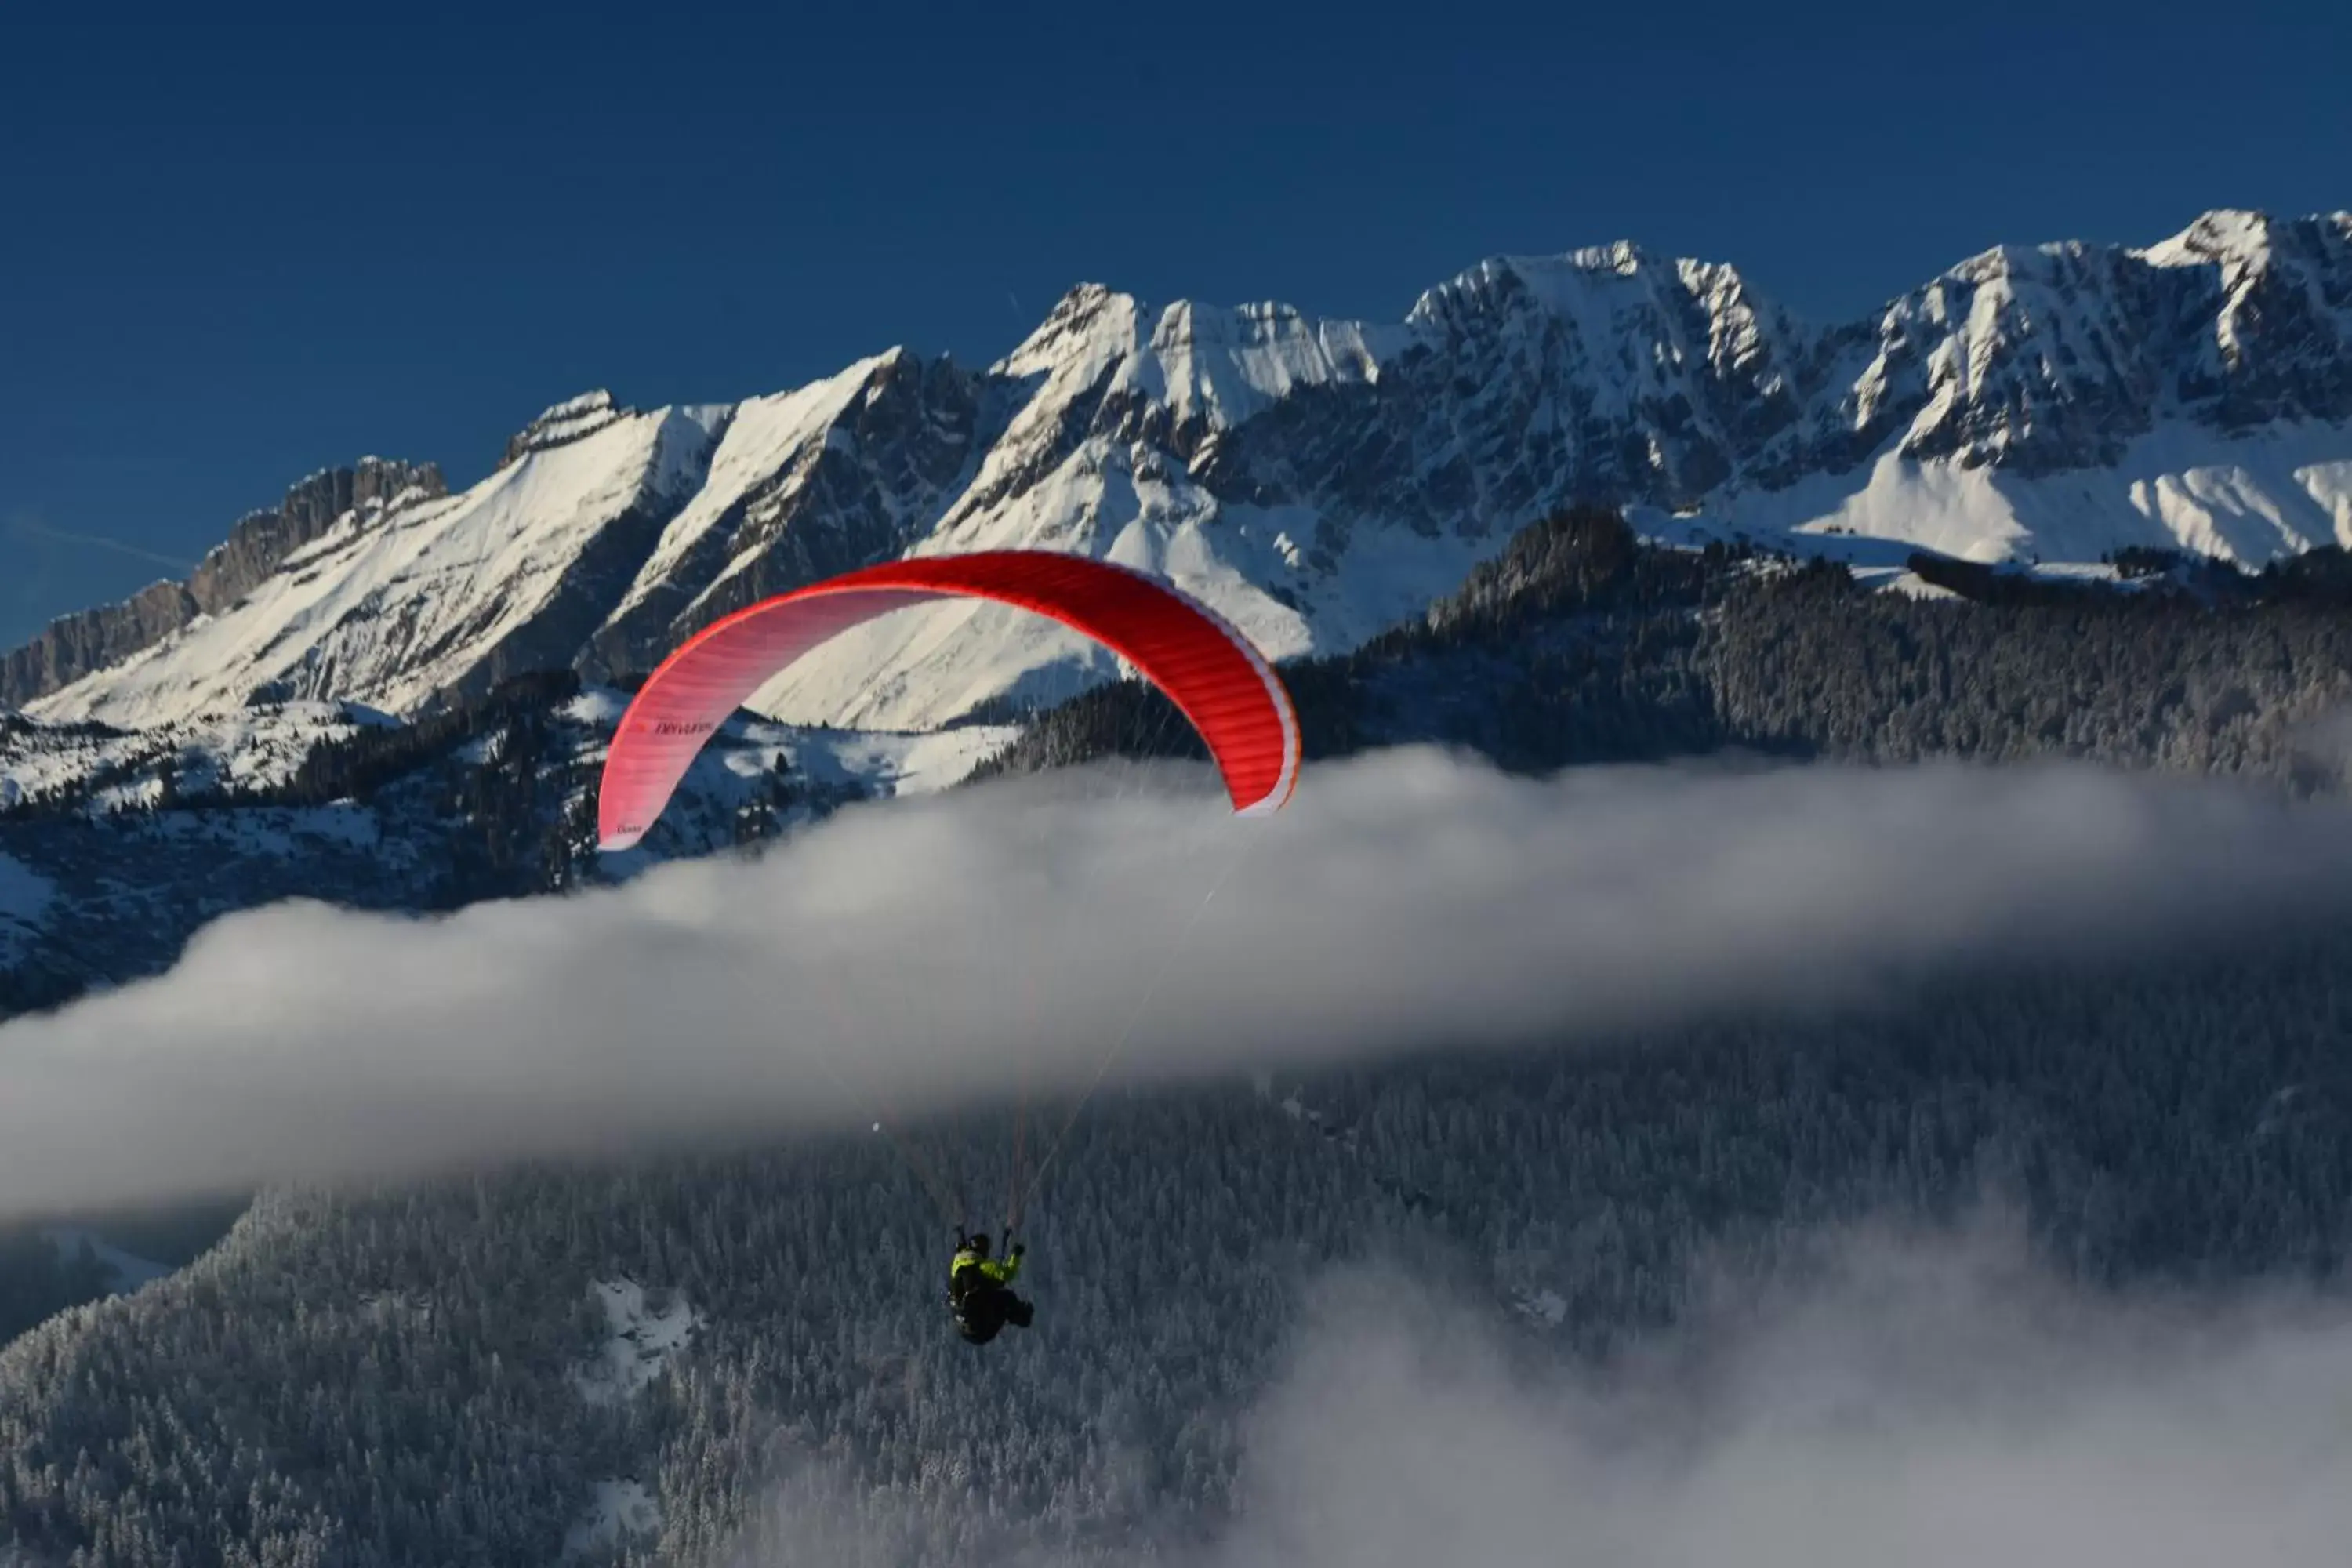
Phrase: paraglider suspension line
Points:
(1020, 1145)
(1102, 1070)
(951, 1208)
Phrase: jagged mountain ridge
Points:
(77, 645)
(1319, 480)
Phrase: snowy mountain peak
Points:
(565, 421)
(2278, 298)
(1317, 479)
(2236, 238)
(1088, 315)
(1570, 285)
(1184, 370)
(1622, 258)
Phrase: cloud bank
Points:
(928, 954)
(1938, 1404)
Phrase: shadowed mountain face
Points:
(1316, 481)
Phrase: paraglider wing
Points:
(1224, 685)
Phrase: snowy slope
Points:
(2274, 491)
(645, 1336)
(244, 748)
(433, 598)
(619, 1513)
(1320, 481)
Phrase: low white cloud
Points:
(1934, 1403)
(932, 954)
(2324, 746)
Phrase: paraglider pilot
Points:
(979, 1289)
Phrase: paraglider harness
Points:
(980, 1296)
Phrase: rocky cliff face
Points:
(75, 646)
(262, 540)
(1315, 479)
(258, 543)
(571, 420)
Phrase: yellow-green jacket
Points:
(1000, 1269)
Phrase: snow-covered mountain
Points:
(1318, 480)
(76, 644)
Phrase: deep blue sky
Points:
(234, 251)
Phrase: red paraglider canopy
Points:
(1207, 668)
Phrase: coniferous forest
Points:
(409, 1374)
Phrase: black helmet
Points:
(977, 1243)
